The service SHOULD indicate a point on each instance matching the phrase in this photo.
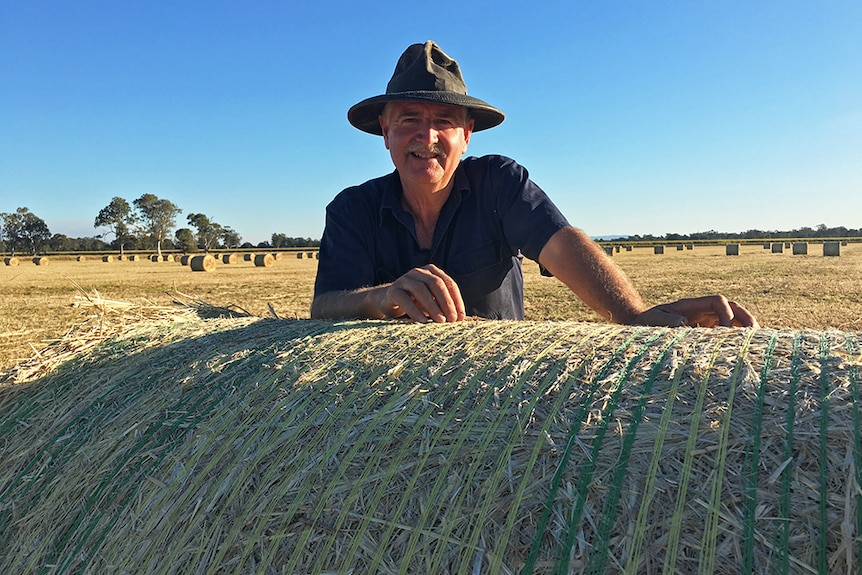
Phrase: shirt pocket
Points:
(479, 270)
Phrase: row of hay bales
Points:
(830, 248)
(201, 262)
(38, 260)
(259, 259)
(272, 446)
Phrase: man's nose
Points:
(426, 133)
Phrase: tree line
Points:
(148, 223)
(820, 231)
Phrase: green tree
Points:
(24, 230)
(230, 239)
(208, 231)
(119, 217)
(158, 217)
(185, 240)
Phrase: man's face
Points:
(426, 141)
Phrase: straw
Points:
(198, 439)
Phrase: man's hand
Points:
(423, 294)
(707, 311)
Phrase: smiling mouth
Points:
(425, 153)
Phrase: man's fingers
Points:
(706, 311)
(427, 293)
(742, 317)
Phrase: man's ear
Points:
(385, 129)
(468, 131)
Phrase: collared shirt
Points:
(493, 215)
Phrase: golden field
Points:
(782, 290)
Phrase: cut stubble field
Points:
(782, 290)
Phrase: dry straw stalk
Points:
(244, 445)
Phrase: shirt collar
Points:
(391, 199)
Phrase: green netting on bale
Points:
(274, 446)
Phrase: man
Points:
(442, 238)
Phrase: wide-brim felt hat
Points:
(424, 73)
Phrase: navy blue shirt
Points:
(494, 214)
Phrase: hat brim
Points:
(364, 115)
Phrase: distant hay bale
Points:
(658, 250)
(617, 248)
(264, 260)
(310, 255)
(731, 249)
(203, 263)
(11, 261)
(168, 258)
(689, 246)
(258, 446)
(41, 261)
(155, 258)
(680, 247)
(628, 248)
(185, 259)
(767, 245)
(81, 258)
(777, 248)
(832, 248)
(107, 258)
(230, 258)
(609, 250)
(299, 255)
(277, 255)
(133, 258)
(247, 257)
(800, 248)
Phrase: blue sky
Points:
(635, 117)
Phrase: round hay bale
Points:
(230, 258)
(277, 255)
(264, 260)
(167, 257)
(107, 258)
(512, 447)
(680, 247)
(609, 250)
(11, 261)
(832, 248)
(658, 249)
(628, 248)
(800, 248)
(41, 261)
(184, 260)
(247, 257)
(731, 249)
(155, 258)
(299, 255)
(81, 258)
(133, 258)
(778, 248)
(204, 263)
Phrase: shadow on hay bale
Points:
(276, 446)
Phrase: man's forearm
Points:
(357, 304)
(579, 263)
